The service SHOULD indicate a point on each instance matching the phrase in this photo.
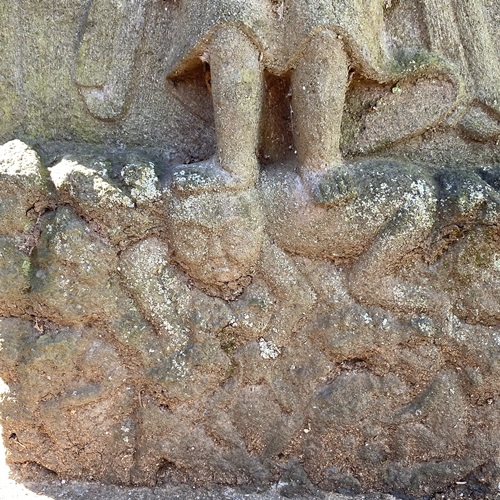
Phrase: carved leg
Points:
(319, 85)
(374, 279)
(237, 87)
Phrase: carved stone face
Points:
(216, 238)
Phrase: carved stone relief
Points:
(295, 277)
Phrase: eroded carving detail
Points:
(308, 303)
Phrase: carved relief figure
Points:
(106, 55)
(218, 237)
(223, 240)
(318, 42)
(220, 242)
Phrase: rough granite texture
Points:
(161, 324)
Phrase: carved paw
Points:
(333, 187)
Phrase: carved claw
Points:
(330, 188)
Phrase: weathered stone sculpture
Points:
(107, 53)
(319, 42)
(462, 35)
(253, 242)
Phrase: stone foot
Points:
(329, 187)
(208, 176)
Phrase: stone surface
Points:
(322, 340)
(229, 262)
(24, 188)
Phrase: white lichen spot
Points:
(87, 184)
(4, 388)
(183, 178)
(268, 349)
(101, 169)
(110, 195)
(496, 262)
(143, 181)
(425, 327)
(398, 292)
(179, 366)
(205, 57)
(477, 195)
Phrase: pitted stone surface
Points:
(252, 245)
